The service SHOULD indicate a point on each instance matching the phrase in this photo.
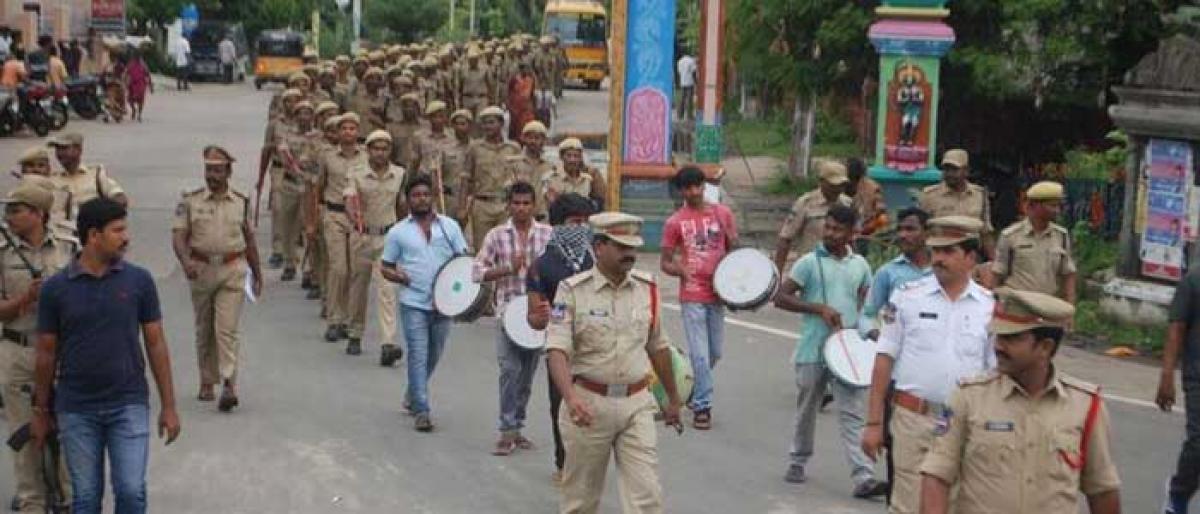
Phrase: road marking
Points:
(793, 335)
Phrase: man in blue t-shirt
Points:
(90, 316)
(1182, 350)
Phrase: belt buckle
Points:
(216, 259)
(618, 390)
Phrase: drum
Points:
(850, 357)
(455, 295)
(685, 379)
(745, 279)
(516, 325)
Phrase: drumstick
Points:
(846, 351)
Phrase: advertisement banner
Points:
(108, 16)
(1167, 171)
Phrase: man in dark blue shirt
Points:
(89, 319)
(569, 252)
(1182, 350)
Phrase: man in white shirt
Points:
(183, 66)
(934, 334)
(228, 54)
(686, 67)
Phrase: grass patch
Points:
(759, 137)
(1091, 322)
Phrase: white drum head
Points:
(516, 325)
(850, 357)
(453, 290)
(744, 277)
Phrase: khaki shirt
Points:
(58, 247)
(531, 171)
(606, 329)
(1013, 453)
(545, 65)
(72, 189)
(304, 148)
(380, 196)
(939, 200)
(214, 224)
(371, 109)
(335, 172)
(429, 147)
(487, 167)
(868, 200)
(275, 126)
(454, 163)
(475, 81)
(404, 140)
(807, 220)
(1033, 262)
(559, 182)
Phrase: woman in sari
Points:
(137, 79)
(520, 101)
(114, 89)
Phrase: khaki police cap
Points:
(462, 113)
(534, 127)
(328, 70)
(491, 111)
(434, 107)
(326, 106)
(311, 68)
(957, 158)
(402, 80)
(546, 40)
(361, 59)
(570, 143)
(951, 230)
(32, 194)
(303, 104)
(430, 62)
(342, 59)
(1018, 311)
(290, 93)
(411, 97)
(379, 135)
(832, 172)
(473, 53)
(66, 139)
(623, 228)
(37, 153)
(376, 56)
(1045, 190)
(297, 78)
(214, 154)
(350, 117)
(332, 122)
(373, 71)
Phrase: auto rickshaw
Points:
(279, 53)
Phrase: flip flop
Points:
(504, 447)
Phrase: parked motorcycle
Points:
(58, 109)
(25, 108)
(83, 94)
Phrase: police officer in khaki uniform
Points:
(370, 103)
(429, 143)
(297, 153)
(375, 201)
(35, 161)
(77, 182)
(487, 176)
(1026, 438)
(214, 243)
(529, 166)
(39, 252)
(405, 127)
(1035, 254)
(475, 84)
(337, 226)
(574, 176)
(314, 211)
(807, 218)
(269, 161)
(605, 334)
(955, 196)
(454, 162)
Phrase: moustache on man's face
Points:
(628, 260)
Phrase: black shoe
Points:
(275, 261)
(289, 274)
(354, 346)
(825, 401)
(389, 354)
(422, 423)
(313, 294)
(335, 333)
(870, 489)
(307, 283)
(15, 505)
(227, 402)
(795, 475)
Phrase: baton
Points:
(257, 204)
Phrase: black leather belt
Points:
(15, 337)
(376, 231)
(335, 207)
(488, 197)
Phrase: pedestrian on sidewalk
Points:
(183, 64)
(695, 239)
(1183, 340)
(686, 68)
(90, 316)
(413, 252)
(137, 77)
(504, 257)
(827, 287)
(227, 52)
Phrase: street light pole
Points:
(357, 23)
(472, 34)
(450, 28)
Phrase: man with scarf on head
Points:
(568, 253)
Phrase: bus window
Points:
(577, 29)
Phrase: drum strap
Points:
(446, 235)
(653, 306)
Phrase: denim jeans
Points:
(811, 380)
(1187, 471)
(425, 336)
(517, 368)
(122, 432)
(704, 329)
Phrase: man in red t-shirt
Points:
(696, 237)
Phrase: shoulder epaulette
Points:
(1076, 383)
(239, 194)
(931, 188)
(1059, 228)
(195, 191)
(978, 379)
(1012, 229)
(64, 235)
(577, 279)
(643, 276)
(976, 187)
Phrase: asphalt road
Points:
(319, 431)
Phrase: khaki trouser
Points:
(287, 222)
(314, 265)
(337, 256)
(276, 173)
(474, 104)
(365, 276)
(485, 215)
(912, 436)
(16, 371)
(217, 298)
(623, 427)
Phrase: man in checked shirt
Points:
(505, 255)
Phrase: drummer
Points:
(934, 333)
(695, 238)
(827, 287)
(504, 257)
(413, 252)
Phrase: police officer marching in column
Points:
(954, 196)
(215, 245)
(336, 225)
(32, 251)
(1035, 254)
(487, 175)
(605, 334)
(1026, 437)
(80, 182)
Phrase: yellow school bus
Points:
(581, 27)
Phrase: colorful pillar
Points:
(709, 140)
(911, 40)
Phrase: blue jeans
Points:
(425, 336)
(704, 329)
(1187, 472)
(124, 432)
(517, 367)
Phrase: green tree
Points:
(403, 21)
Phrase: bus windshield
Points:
(577, 29)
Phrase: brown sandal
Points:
(523, 443)
(504, 447)
(206, 394)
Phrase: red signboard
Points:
(108, 15)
